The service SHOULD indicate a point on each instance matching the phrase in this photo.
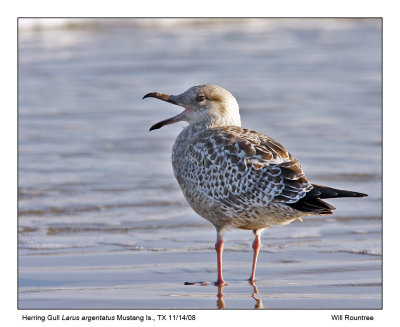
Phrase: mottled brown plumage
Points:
(233, 177)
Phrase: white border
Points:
(208, 8)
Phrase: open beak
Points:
(170, 99)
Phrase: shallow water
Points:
(102, 222)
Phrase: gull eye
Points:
(200, 98)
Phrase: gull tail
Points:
(312, 201)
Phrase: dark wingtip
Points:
(325, 192)
(361, 195)
(357, 194)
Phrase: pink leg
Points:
(256, 248)
(219, 246)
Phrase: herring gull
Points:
(235, 177)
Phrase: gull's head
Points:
(205, 105)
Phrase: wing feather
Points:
(239, 167)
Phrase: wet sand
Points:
(296, 270)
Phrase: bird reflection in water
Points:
(221, 302)
(220, 294)
(258, 304)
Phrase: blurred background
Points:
(93, 180)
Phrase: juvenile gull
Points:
(235, 177)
